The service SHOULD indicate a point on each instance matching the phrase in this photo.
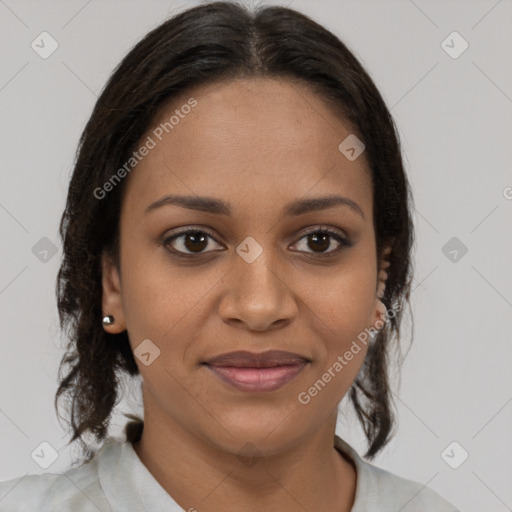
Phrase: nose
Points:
(258, 297)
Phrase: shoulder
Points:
(76, 489)
(379, 489)
(409, 495)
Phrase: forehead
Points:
(250, 141)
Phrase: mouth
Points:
(264, 372)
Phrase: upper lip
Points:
(269, 359)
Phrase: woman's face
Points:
(259, 276)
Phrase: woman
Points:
(238, 233)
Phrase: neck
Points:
(307, 475)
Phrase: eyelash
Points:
(344, 242)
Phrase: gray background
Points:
(455, 120)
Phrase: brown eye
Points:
(320, 240)
(189, 242)
(195, 242)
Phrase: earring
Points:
(382, 310)
(108, 320)
(383, 276)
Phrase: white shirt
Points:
(116, 480)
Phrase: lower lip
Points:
(257, 379)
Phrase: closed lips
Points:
(269, 359)
(264, 372)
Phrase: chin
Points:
(252, 435)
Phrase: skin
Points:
(257, 144)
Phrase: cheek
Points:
(342, 317)
(162, 301)
(346, 300)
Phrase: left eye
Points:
(320, 240)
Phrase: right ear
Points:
(111, 298)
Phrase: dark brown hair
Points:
(215, 42)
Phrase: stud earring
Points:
(108, 320)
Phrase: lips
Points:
(269, 359)
(266, 371)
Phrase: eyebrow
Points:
(218, 207)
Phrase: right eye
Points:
(189, 242)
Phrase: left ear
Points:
(379, 312)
